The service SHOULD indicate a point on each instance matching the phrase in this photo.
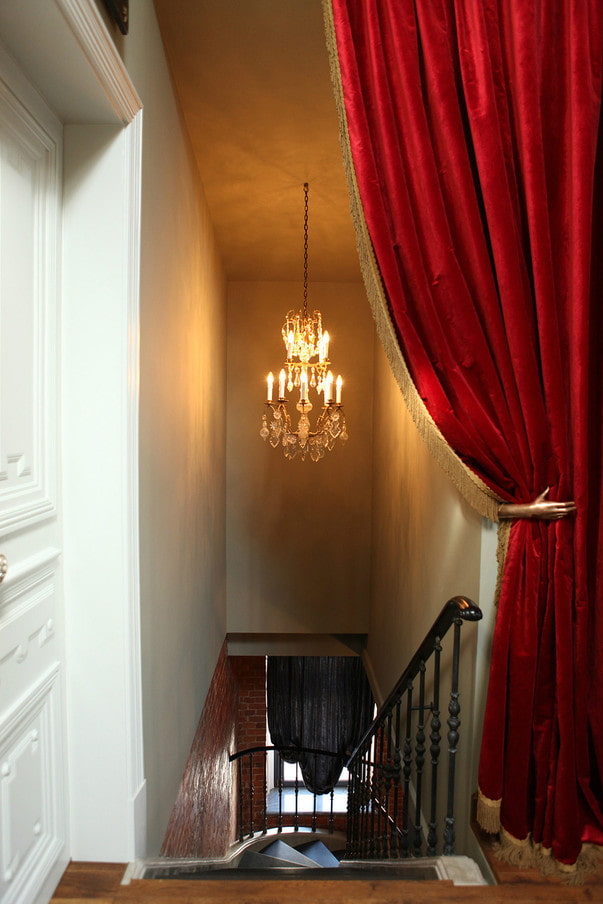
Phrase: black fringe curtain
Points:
(319, 702)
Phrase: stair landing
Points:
(100, 882)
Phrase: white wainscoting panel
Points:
(29, 158)
(32, 827)
(27, 625)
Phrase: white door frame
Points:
(64, 46)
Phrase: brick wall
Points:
(250, 675)
(205, 818)
(202, 823)
(251, 732)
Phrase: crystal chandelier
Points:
(306, 367)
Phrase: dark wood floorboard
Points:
(101, 883)
(98, 882)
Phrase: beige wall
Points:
(298, 533)
(426, 549)
(426, 539)
(182, 431)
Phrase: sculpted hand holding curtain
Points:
(471, 131)
(541, 507)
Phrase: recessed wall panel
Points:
(31, 817)
(28, 179)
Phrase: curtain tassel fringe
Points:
(488, 814)
(524, 853)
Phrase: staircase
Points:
(294, 856)
(102, 883)
(398, 791)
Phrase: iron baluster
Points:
(454, 723)
(352, 826)
(332, 812)
(380, 794)
(240, 773)
(375, 814)
(280, 794)
(365, 816)
(435, 738)
(419, 762)
(390, 824)
(369, 831)
(314, 798)
(397, 761)
(407, 759)
(251, 794)
(296, 818)
(265, 792)
(360, 793)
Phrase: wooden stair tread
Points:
(101, 883)
(278, 891)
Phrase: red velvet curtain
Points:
(474, 134)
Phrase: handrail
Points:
(269, 749)
(394, 770)
(395, 784)
(456, 607)
(253, 809)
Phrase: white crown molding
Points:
(92, 35)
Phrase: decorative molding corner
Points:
(92, 35)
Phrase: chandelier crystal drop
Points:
(306, 367)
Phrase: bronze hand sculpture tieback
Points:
(540, 508)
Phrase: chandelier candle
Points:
(306, 367)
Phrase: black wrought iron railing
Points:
(267, 801)
(395, 797)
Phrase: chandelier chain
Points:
(305, 249)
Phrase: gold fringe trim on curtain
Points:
(525, 854)
(474, 490)
(488, 813)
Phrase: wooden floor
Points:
(101, 883)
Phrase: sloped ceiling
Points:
(254, 83)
